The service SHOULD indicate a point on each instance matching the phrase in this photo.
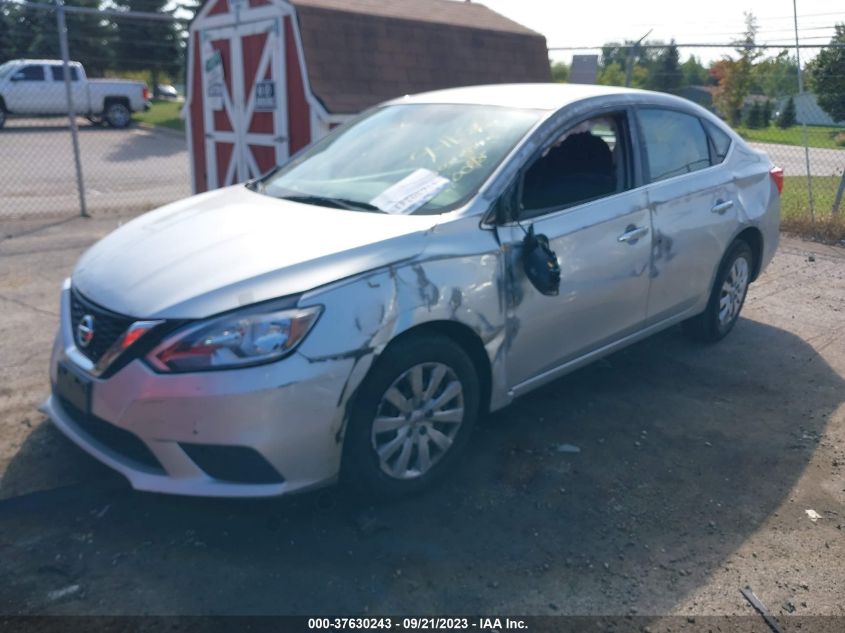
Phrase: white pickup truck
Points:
(35, 87)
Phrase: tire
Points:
(726, 297)
(2, 117)
(407, 466)
(117, 115)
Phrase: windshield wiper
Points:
(337, 203)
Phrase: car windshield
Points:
(411, 158)
(6, 68)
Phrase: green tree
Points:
(754, 116)
(665, 73)
(612, 75)
(827, 76)
(694, 74)
(560, 72)
(735, 84)
(787, 117)
(153, 45)
(767, 113)
(775, 76)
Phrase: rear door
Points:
(597, 222)
(58, 92)
(243, 73)
(693, 205)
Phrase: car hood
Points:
(231, 247)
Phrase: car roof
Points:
(547, 96)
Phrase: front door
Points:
(245, 113)
(580, 194)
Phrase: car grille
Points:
(122, 442)
(108, 326)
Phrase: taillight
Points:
(777, 176)
(146, 93)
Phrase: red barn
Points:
(267, 77)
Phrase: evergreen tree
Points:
(754, 116)
(87, 36)
(767, 113)
(152, 45)
(787, 117)
(694, 74)
(665, 74)
(827, 76)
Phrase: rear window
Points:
(675, 143)
(59, 75)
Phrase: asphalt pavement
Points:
(123, 170)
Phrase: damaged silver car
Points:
(353, 313)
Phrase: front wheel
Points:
(411, 419)
(726, 298)
(2, 117)
(118, 115)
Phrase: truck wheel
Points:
(118, 115)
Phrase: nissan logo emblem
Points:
(85, 331)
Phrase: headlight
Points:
(246, 337)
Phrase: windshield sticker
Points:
(410, 193)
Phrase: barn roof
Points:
(361, 52)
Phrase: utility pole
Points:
(629, 63)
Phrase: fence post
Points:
(803, 123)
(71, 114)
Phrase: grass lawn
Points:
(164, 114)
(795, 208)
(818, 136)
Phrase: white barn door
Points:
(243, 85)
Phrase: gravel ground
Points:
(695, 471)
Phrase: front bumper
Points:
(285, 417)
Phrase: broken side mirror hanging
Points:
(540, 263)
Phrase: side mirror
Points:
(540, 263)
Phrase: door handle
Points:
(632, 234)
(722, 206)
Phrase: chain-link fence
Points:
(121, 144)
(798, 119)
(116, 154)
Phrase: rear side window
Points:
(675, 143)
(59, 75)
(31, 73)
(720, 140)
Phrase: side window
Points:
(30, 73)
(721, 142)
(675, 143)
(59, 75)
(586, 162)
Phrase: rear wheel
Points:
(411, 419)
(118, 115)
(726, 298)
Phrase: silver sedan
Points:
(352, 314)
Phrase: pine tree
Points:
(152, 45)
(787, 117)
(754, 116)
(666, 74)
